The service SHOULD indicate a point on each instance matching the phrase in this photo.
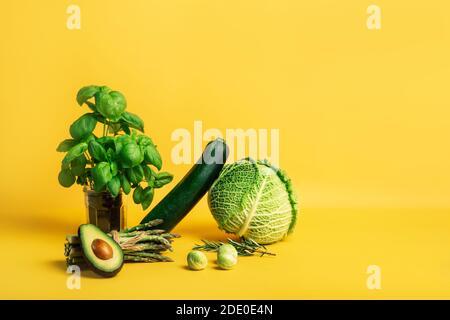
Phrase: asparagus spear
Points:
(146, 259)
(156, 256)
(139, 244)
(144, 226)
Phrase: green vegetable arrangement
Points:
(254, 200)
(119, 159)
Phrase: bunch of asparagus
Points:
(141, 243)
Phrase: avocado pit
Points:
(102, 249)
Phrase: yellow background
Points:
(364, 134)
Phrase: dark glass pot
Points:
(105, 211)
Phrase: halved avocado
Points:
(103, 255)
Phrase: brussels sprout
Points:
(197, 260)
(226, 260)
(227, 249)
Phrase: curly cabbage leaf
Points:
(254, 200)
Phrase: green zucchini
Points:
(188, 192)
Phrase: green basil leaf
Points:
(105, 89)
(101, 175)
(75, 152)
(133, 120)
(82, 180)
(66, 178)
(133, 136)
(166, 176)
(86, 93)
(88, 175)
(91, 106)
(147, 198)
(89, 138)
(78, 165)
(162, 178)
(114, 168)
(99, 117)
(114, 186)
(131, 176)
(130, 155)
(137, 195)
(152, 156)
(158, 184)
(151, 182)
(107, 142)
(148, 173)
(65, 145)
(111, 155)
(125, 128)
(138, 172)
(110, 104)
(114, 128)
(65, 165)
(97, 151)
(143, 140)
(126, 187)
(135, 174)
(120, 141)
(83, 126)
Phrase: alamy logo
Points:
(374, 279)
(374, 18)
(74, 279)
(74, 18)
(250, 142)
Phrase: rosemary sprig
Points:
(246, 247)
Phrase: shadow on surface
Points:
(41, 223)
(205, 231)
(60, 266)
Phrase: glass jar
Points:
(105, 211)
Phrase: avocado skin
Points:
(91, 265)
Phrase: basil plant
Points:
(121, 158)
